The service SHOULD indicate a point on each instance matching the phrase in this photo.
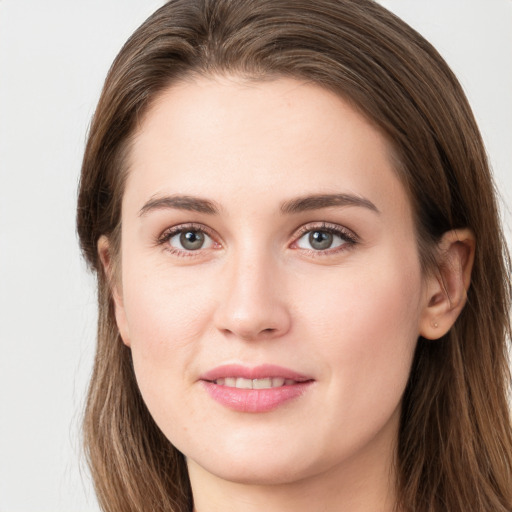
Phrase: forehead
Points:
(239, 139)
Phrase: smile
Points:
(265, 383)
(257, 389)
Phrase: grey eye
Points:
(192, 240)
(320, 240)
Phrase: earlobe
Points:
(113, 278)
(446, 290)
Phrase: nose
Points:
(253, 303)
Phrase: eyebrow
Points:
(190, 203)
(296, 205)
(318, 201)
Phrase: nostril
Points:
(251, 335)
(243, 317)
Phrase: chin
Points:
(273, 465)
(265, 472)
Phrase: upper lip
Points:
(256, 372)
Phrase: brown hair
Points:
(455, 443)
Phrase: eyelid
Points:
(172, 231)
(346, 234)
(326, 226)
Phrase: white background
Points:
(54, 55)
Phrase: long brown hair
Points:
(455, 442)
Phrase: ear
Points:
(446, 290)
(114, 281)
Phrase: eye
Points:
(186, 239)
(324, 238)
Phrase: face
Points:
(270, 288)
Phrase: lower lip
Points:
(255, 400)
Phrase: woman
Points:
(303, 290)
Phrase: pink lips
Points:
(254, 400)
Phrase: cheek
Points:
(362, 298)
(167, 314)
(365, 323)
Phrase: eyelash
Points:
(176, 230)
(348, 236)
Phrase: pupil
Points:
(192, 240)
(320, 240)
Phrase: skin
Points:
(259, 293)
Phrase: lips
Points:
(257, 389)
(266, 383)
(257, 372)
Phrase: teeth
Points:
(262, 383)
(242, 383)
(266, 383)
(277, 382)
(230, 382)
